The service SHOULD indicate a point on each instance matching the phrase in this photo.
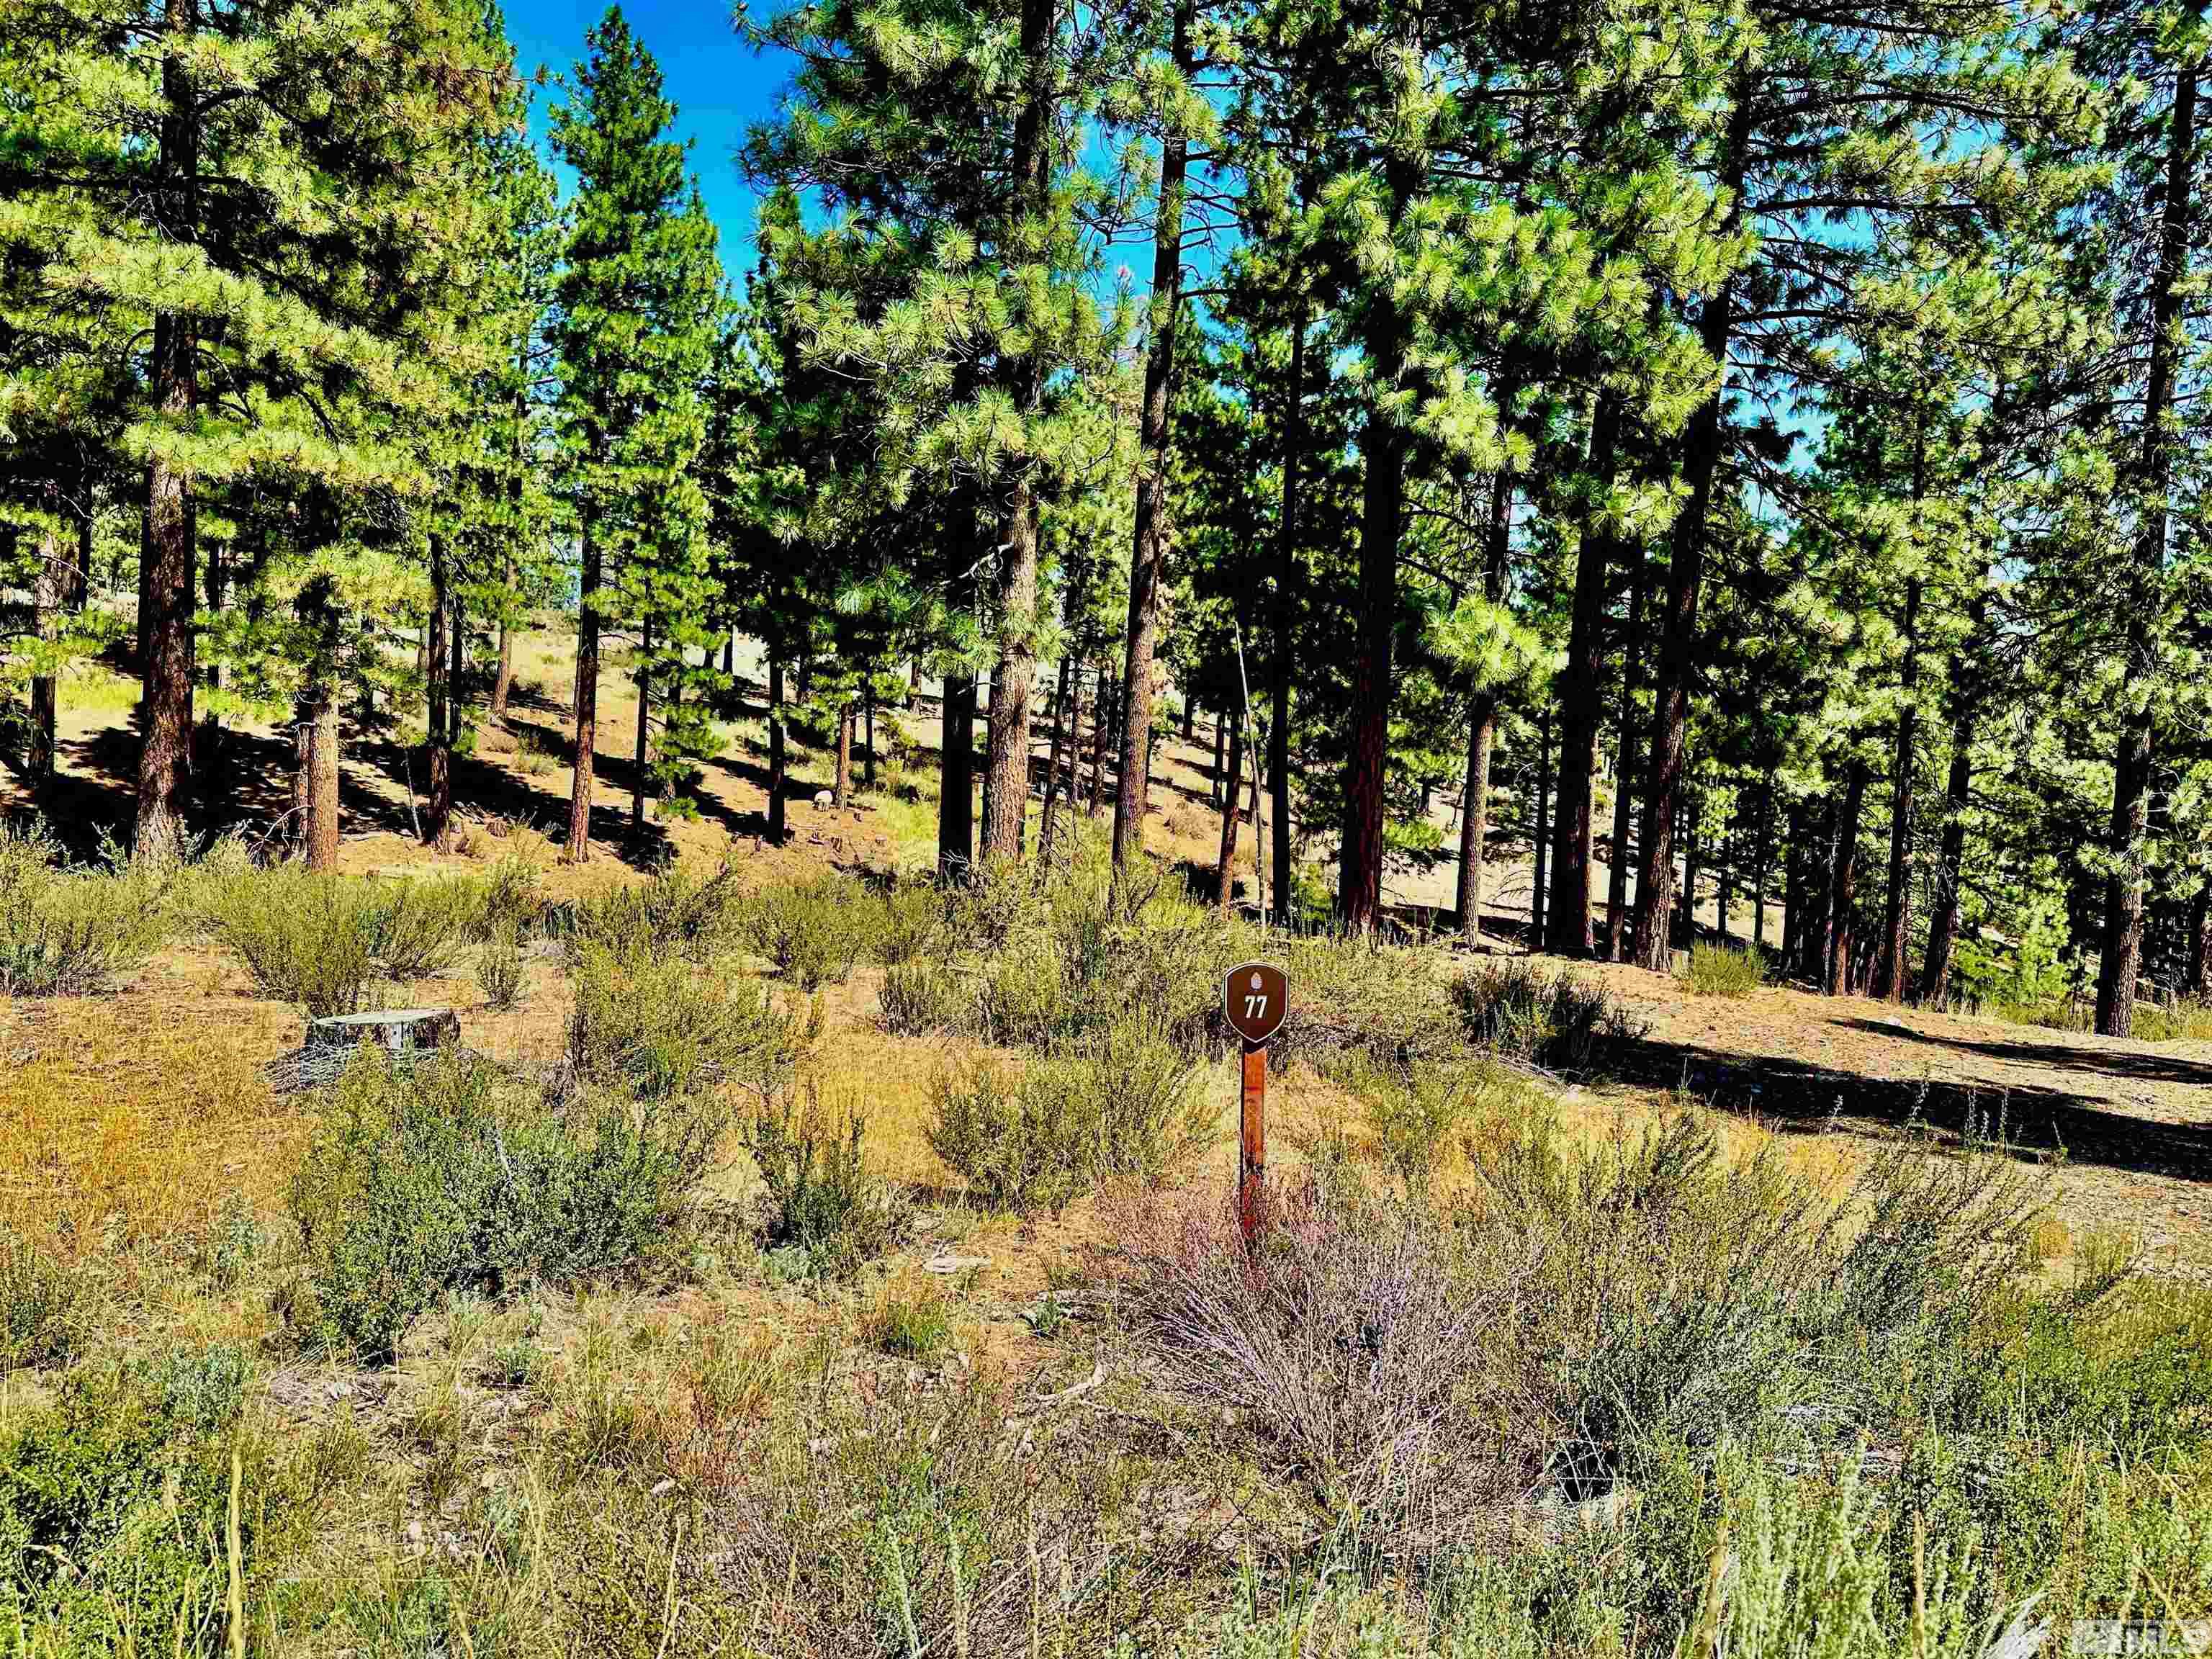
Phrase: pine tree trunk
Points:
(1793, 894)
(1007, 764)
(1624, 768)
(168, 560)
(1691, 846)
(642, 749)
(1943, 915)
(1148, 553)
(78, 590)
(1231, 816)
(1582, 711)
(1844, 890)
(1383, 512)
(840, 793)
(49, 585)
(1220, 758)
(1702, 443)
(320, 793)
(1764, 853)
(1543, 840)
(956, 805)
(1283, 602)
(2198, 985)
(587, 696)
(2122, 956)
(778, 822)
(1726, 877)
(868, 736)
(439, 757)
(1056, 752)
(502, 679)
(1890, 976)
(1482, 716)
(1474, 817)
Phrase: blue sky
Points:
(718, 84)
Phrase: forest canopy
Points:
(1746, 452)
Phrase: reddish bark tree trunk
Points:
(2122, 956)
(1843, 891)
(1623, 770)
(1702, 443)
(1231, 816)
(776, 822)
(587, 698)
(1581, 711)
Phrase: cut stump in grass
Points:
(407, 1036)
(395, 1031)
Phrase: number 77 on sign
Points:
(1254, 997)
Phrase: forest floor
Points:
(2129, 1123)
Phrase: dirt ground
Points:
(2127, 1125)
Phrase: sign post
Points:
(1254, 997)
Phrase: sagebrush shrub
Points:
(919, 997)
(1725, 970)
(499, 969)
(1008, 1138)
(1123, 1103)
(825, 1199)
(323, 941)
(65, 933)
(41, 1305)
(1555, 1019)
(1412, 1108)
(674, 915)
(814, 932)
(430, 1178)
(663, 1028)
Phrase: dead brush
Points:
(1350, 1337)
(964, 1519)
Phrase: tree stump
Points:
(395, 1031)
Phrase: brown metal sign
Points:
(1254, 997)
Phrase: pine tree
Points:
(638, 299)
(242, 186)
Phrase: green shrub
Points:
(65, 932)
(432, 1178)
(1559, 1020)
(913, 923)
(1124, 1103)
(1725, 970)
(1008, 1139)
(1413, 1108)
(814, 932)
(825, 1199)
(41, 1305)
(673, 915)
(499, 969)
(114, 1506)
(661, 1028)
(913, 1324)
(919, 997)
(323, 941)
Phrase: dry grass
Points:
(135, 1116)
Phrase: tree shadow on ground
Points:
(1797, 1097)
(2130, 1064)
